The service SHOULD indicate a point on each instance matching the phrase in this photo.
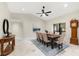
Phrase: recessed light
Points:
(23, 9)
(65, 5)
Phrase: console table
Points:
(7, 45)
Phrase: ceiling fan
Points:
(43, 12)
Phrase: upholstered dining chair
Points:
(41, 37)
(60, 40)
(45, 39)
(37, 36)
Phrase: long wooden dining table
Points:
(53, 38)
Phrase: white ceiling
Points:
(57, 8)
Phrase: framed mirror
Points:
(6, 27)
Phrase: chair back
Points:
(40, 36)
(45, 38)
(37, 35)
(62, 35)
(61, 39)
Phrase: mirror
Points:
(6, 27)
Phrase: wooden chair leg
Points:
(47, 44)
(37, 39)
(60, 46)
(41, 41)
(44, 43)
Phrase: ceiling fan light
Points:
(44, 15)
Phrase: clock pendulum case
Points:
(74, 27)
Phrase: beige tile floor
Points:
(72, 50)
(27, 48)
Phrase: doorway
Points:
(17, 29)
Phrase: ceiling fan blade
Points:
(46, 14)
(49, 12)
(38, 13)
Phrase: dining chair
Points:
(45, 39)
(60, 40)
(41, 37)
(37, 36)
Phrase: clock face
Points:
(73, 24)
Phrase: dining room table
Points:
(53, 38)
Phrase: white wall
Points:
(65, 18)
(17, 29)
(29, 21)
(4, 13)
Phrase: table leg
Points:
(2, 49)
(52, 44)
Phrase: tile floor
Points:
(73, 50)
(27, 48)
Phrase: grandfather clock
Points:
(74, 26)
